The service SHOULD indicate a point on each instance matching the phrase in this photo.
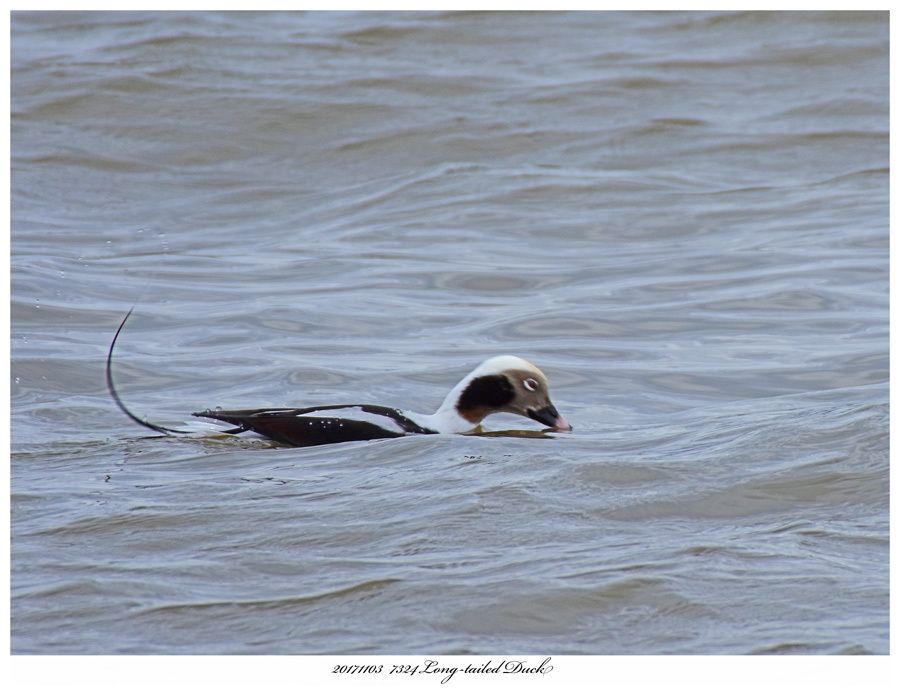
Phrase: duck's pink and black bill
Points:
(550, 417)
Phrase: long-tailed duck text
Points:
(504, 384)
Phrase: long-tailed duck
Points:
(504, 384)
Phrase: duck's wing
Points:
(322, 425)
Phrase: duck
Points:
(502, 384)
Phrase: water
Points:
(681, 218)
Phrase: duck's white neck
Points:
(443, 421)
(446, 419)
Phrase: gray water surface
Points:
(682, 218)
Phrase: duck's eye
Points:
(530, 384)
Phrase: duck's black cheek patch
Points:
(490, 391)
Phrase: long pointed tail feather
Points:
(115, 395)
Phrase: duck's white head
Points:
(504, 384)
